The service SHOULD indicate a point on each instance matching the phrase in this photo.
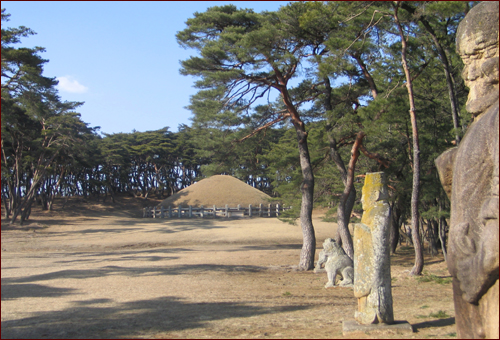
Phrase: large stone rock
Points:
(472, 171)
(372, 267)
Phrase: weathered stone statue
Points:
(327, 251)
(469, 174)
(372, 266)
(338, 263)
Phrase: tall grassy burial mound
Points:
(218, 190)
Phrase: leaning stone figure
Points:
(372, 262)
(338, 263)
(469, 174)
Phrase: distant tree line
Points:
(287, 100)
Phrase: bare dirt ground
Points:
(98, 270)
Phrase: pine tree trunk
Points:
(345, 206)
(45, 203)
(419, 255)
(433, 236)
(51, 201)
(344, 217)
(442, 237)
(7, 203)
(309, 239)
(27, 210)
(447, 70)
(449, 83)
(395, 226)
(344, 209)
(343, 229)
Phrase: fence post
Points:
(215, 211)
(179, 212)
(227, 212)
(201, 212)
(260, 210)
(143, 212)
(190, 211)
(162, 215)
(250, 210)
(169, 211)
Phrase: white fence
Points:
(270, 210)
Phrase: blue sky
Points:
(120, 58)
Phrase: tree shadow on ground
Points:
(128, 225)
(405, 262)
(193, 269)
(128, 250)
(148, 258)
(40, 224)
(115, 254)
(165, 222)
(131, 319)
(27, 226)
(16, 291)
(434, 323)
(406, 258)
(122, 253)
(176, 228)
(268, 247)
(102, 230)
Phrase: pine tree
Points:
(34, 119)
(243, 55)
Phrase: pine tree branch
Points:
(265, 126)
(374, 156)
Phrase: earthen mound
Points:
(218, 190)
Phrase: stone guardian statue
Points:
(338, 263)
(469, 174)
(372, 267)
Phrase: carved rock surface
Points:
(473, 249)
(372, 267)
(478, 30)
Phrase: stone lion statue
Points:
(337, 263)
(324, 254)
